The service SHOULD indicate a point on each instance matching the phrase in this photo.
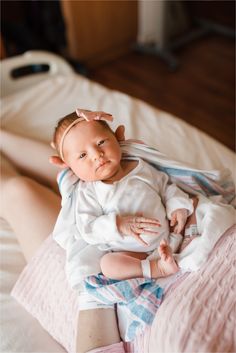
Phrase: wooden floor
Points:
(201, 91)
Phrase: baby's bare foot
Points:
(167, 265)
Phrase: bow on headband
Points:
(87, 115)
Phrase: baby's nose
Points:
(98, 154)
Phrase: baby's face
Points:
(92, 152)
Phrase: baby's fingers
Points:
(138, 229)
(149, 232)
(178, 229)
(147, 225)
(139, 239)
(173, 220)
(150, 221)
(181, 223)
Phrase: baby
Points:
(122, 205)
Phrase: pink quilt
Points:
(197, 314)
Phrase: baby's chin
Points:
(102, 175)
(87, 179)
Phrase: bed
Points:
(198, 312)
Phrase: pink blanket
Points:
(197, 314)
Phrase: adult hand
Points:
(137, 225)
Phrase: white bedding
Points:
(33, 112)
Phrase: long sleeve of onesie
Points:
(172, 196)
(94, 226)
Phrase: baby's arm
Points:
(178, 203)
(95, 227)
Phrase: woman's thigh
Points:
(31, 210)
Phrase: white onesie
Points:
(96, 204)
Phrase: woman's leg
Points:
(30, 208)
(97, 328)
(30, 157)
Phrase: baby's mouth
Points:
(101, 164)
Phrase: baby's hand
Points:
(137, 225)
(178, 219)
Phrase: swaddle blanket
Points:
(215, 184)
(210, 183)
(138, 297)
(213, 220)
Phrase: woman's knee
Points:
(17, 188)
(13, 191)
(19, 185)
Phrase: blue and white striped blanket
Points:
(209, 183)
(139, 297)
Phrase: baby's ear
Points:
(120, 133)
(57, 161)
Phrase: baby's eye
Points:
(100, 143)
(82, 155)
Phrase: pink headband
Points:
(83, 115)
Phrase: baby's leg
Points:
(126, 265)
(122, 265)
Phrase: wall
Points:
(98, 31)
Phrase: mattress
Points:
(33, 112)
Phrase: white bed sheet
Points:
(33, 112)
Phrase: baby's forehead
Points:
(91, 127)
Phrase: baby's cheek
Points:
(81, 174)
